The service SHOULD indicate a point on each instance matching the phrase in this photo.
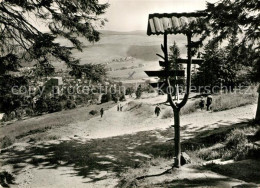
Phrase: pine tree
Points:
(240, 17)
(21, 41)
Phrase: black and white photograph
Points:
(129, 93)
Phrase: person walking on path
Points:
(157, 110)
(202, 103)
(118, 107)
(101, 112)
(121, 108)
(209, 102)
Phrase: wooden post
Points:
(166, 57)
(177, 138)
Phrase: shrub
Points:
(190, 107)
(232, 100)
(19, 113)
(236, 145)
(168, 113)
(208, 154)
(5, 118)
(41, 105)
(71, 104)
(187, 109)
(236, 139)
(29, 111)
(55, 106)
(6, 141)
(80, 100)
(11, 116)
(106, 98)
(93, 112)
(122, 97)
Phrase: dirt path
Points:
(113, 123)
(116, 123)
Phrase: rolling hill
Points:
(114, 47)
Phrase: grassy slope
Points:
(38, 124)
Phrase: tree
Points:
(210, 71)
(229, 17)
(94, 72)
(174, 54)
(21, 41)
(221, 66)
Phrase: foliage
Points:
(68, 19)
(41, 105)
(29, 111)
(6, 141)
(233, 100)
(54, 105)
(223, 66)
(9, 100)
(94, 72)
(228, 17)
(174, 54)
(93, 112)
(189, 108)
(71, 104)
(236, 139)
(241, 17)
(106, 97)
(21, 41)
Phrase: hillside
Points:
(115, 47)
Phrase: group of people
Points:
(158, 109)
(119, 107)
(208, 103)
(202, 104)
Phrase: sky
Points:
(131, 15)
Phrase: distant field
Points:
(116, 45)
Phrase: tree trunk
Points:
(177, 143)
(257, 116)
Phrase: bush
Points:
(106, 98)
(29, 111)
(190, 107)
(122, 97)
(55, 106)
(41, 105)
(93, 112)
(236, 139)
(11, 116)
(6, 141)
(5, 118)
(80, 100)
(19, 113)
(187, 109)
(232, 100)
(71, 104)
